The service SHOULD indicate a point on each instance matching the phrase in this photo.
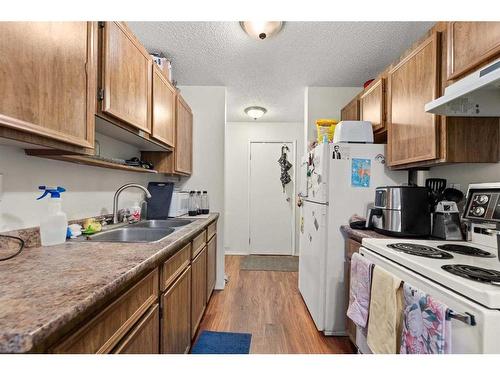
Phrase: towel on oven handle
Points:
(359, 291)
(426, 324)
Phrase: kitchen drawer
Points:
(174, 266)
(103, 332)
(211, 230)
(351, 247)
(198, 244)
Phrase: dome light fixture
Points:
(255, 112)
(261, 29)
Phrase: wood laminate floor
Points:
(268, 305)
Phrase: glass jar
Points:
(198, 202)
(204, 203)
(192, 206)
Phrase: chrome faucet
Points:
(117, 195)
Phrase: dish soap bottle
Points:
(54, 225)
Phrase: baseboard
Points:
(236, 253)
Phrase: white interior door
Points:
(271, 211)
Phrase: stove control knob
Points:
(478, 211)
(482, 199)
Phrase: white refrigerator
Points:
(338, 180)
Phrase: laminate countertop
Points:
(46, 289)
(359, 234)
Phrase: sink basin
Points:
(169, 223)
(131, 235)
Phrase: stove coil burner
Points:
(482, 275)
(420, 250)
(466, 250)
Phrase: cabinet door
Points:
(211, 265)
(372, 105)
(184, 137)
(47, 79)
(471, 44)
(198, 289)
(144, 337)
(350, 111)
(176, 320)
(126, 77)
(412, 132)
(163, 108)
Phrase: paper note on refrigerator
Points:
(360, 172)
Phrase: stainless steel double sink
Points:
(143, 231)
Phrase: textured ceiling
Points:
(273, 73)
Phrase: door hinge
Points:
(101, 24)
(100, 94)
(249, 240)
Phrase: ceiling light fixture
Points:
(255, 112)
(261, 29)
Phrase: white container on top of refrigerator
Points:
(341, 182)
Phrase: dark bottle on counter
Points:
(204, 203)
(192, 206)
(198, 202)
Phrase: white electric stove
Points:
(465, 275)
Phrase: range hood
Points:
(476, 95)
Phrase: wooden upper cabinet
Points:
(184, 137)
(414, 81)
(350, 111)
(471, 44)
(372, 105)
(48, 79)
(126, 77)
(163, 108)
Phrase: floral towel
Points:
(426, 326)
(359, 292)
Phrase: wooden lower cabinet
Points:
(108, 328)
(211, 265)
(144, 337)
(158, 314)
(198, 289)
(176, 320)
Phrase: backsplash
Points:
(90, 190)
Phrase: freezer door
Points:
(312, 260)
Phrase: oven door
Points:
(480, 338)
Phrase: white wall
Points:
(90, 190)
(238, 135)
(325, 102)
(209, 119)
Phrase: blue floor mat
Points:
(210, 342)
